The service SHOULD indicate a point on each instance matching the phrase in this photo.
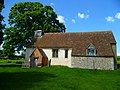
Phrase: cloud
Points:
(113, 18)
(118, 54)
(61, 19)
(52, 4)
(117, 15)
(73, 20)
(83, 15)
(110, 19)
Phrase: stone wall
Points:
(28, 53)
(105, 63)
(115, 54)
(114, 48)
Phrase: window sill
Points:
(54, 57)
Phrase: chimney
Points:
(38, 33)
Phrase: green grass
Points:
(13, 77)
(58, 78)
(118, 59)
(10, 61)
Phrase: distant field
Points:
(10, 63)
(118, 59)
(58, 78)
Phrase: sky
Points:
(81, 15)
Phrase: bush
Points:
(118, 58)
(18, 62)
(9, 61)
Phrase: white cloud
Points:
(83, 15)
(110, 19)
(61, 19)
(51, 4)
(117, 15)
(118, 54)
(113, 18)
(73, 20)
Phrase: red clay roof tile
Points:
(78, 41)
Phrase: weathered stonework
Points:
(105, 63)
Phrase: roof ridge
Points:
(79, 32)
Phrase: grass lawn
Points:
(13, 77)
(11, 63)
(118, 59)
(58, 78)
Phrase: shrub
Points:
(9, 61)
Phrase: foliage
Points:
(1, 25)
(118, 58)
(0, 52)
(58, 78)
(24, 19)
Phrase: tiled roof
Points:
(78, 41)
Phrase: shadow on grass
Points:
(11, 65)
(23, 80)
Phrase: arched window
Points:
(91, 51)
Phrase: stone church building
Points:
(91, 50)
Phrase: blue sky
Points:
(82, 15)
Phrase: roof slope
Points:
(40, 51)
(78, 41)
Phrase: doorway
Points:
(34, 62)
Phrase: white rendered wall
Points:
(61, 60)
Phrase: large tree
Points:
(1, 25)
(24, 19)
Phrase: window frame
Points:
(66, 53)
(54, 53)
(91, 51)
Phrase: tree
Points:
(24, 19)
(1, 25)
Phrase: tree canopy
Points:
(1, 25)
(24, 19)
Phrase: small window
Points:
(55, 53)
(91, 51)
(66, 53)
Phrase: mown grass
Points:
(13, 77)
(58, 78)
(118, 59)
(10, 61)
